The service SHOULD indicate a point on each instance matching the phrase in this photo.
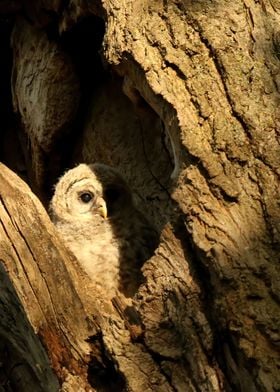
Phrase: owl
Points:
(93, 210)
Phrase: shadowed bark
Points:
(183, 97)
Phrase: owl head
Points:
(89, 192)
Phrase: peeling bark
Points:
(187, 107)
(45, 94)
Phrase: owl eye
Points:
(86, 197)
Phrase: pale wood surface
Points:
(187, 107)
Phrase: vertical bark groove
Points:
(183, 97)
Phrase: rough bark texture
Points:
(183, 97)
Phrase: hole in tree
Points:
(83, 44)
(102, 373)
(10, 150)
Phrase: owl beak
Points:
(102, 208)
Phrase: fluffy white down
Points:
(99, 256)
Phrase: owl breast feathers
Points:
(93, 210)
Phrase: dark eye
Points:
(86, 197)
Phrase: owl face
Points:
(85, 199)
(90, 192)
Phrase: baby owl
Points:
(93, 210)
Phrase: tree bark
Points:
(183, 97)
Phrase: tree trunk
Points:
(183, 97)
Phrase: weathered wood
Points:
(46, 94)
(24, 364)
(191, 118)
(62, 315)
(33, 257)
